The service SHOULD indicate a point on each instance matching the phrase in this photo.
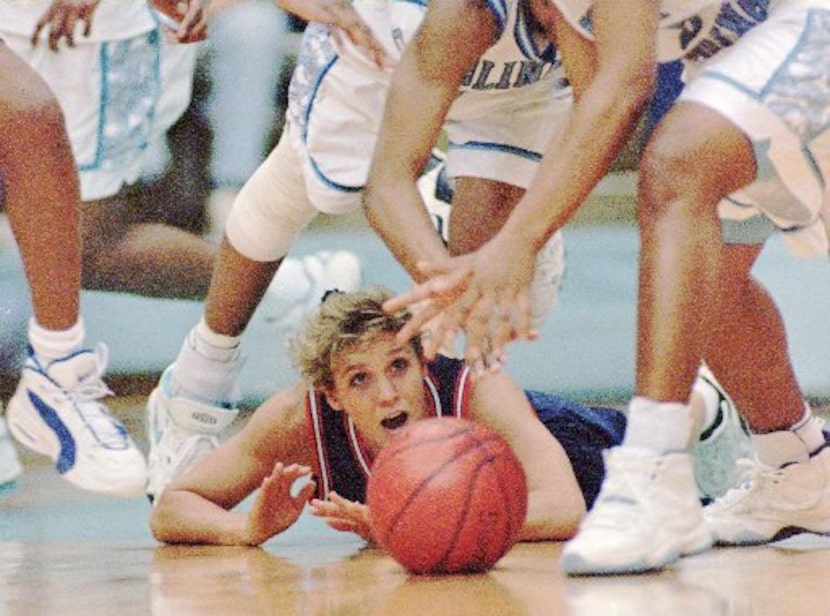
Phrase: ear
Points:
(332, 399)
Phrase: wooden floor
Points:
(63, 551)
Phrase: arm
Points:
(61, 19)
(612, 80)
(339, 14)
(555, 502)
(452, 36)
(198, 506)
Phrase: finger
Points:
(417, 294)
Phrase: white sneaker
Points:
(721, 445)
(181, 431)
(56, 411)
(774, 503)
(547, 279)
(300, 285)
(10, 468)
(647, 515)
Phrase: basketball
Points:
(447, 496)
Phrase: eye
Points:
(358, 379)
(399, 364)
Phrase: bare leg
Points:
(697, 298)
(236, 290)
(122, 253)
(479, 209)
(42, 192)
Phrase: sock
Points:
(214, 346)
(49, 344)
(795, 444)
(207, 367)
(660, 427)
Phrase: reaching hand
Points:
(183, 21)
(275, 509)
(61, 19)
(344, 515)
(485, 293)
(340, 15)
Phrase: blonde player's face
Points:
(380, 384)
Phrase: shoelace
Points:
(751, 475)
(108, 431)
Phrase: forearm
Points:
(185, 517)
(577, 158)
(552, 518)
(392, 202)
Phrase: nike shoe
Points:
(647, 515)
(774, 503)
(57, 412)
(300, 285)
(10, 468)
(722, 444)
(181, 430)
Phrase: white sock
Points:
(661, 427)
(50, 344)
(212, 345)
(795, 444)
(207, 367)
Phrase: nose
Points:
(387, 392)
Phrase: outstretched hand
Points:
(344, 515)
(62, 18)
(183, 21)
(275, 509)
(342, 17)
(484, 293)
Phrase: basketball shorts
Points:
(117, 97)
(774, 84)
(505, 141)
(584, 432)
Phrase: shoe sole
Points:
(700, 541)
(38, 436)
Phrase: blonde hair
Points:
(343, 322)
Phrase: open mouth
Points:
(395, 421)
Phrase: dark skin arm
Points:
(613, 79)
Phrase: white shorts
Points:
(117, 97)
(774, 84)
(506, 141)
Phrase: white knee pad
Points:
(271, 209)
(436, 189)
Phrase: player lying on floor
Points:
(360, 386)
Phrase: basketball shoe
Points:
(300, 284)
(56, 411)
(774, 503)
(647, 515)
(725, 441)
(182, 429)
(10, 468)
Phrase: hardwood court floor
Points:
(63, 551)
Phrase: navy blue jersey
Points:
(342, 464)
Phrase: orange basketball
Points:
(447, 496)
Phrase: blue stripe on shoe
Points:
(66, 455)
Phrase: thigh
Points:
(479, 209)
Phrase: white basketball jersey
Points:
(691, 30)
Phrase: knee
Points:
(670, 182)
